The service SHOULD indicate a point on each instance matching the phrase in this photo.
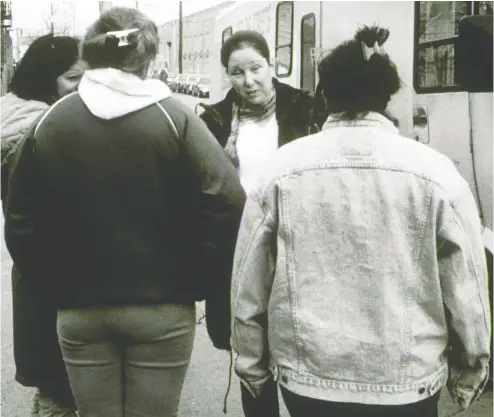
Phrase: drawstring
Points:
(229, 382)
(230, 371)
(201, 319)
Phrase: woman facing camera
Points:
(258, 115)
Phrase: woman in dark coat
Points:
(258, 115)
(256, 98)
(49, 69)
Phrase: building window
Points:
(226, 34)
(284, 39)
(308, 42)
(436, 28)
(6, 9)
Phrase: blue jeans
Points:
(127, 361)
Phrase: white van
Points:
(441, 50)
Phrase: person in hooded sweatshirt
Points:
(128, 208)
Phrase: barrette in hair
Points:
(122, 36)
(369, 51)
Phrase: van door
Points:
(297, 33)
(308, 37)
(442, 112)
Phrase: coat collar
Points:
(286, 95)
(371, 119)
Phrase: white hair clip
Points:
(122, 36)
(369, 51)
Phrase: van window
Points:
(284, 39)
(436, 28)
(226, 34)
(484, 8)
(308, 42)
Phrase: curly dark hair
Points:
(353, 85)
(48, 57)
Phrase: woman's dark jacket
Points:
(126, 211)
(37, 354)
(294, 113)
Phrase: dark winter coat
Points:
(121, 221)
(294, 113)
(37, 354)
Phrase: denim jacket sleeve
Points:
(463, 275)
(252, 281)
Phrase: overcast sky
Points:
(29, 14)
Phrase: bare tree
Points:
(54, 22)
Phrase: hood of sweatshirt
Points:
(110, 93)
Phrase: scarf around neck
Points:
(241, 113)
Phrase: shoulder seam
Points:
(169, 119)
(50, 109)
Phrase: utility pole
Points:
(52, 24)
(180, 36)
(73, 18)
(202, 49)
(7, 59)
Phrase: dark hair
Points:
(244, 39)
(102, 51)
(351, 84)
(48, 57)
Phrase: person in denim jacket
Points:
(359, 279)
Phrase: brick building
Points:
(197, 42)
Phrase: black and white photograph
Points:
(246, 208)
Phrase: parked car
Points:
(189, 83)
(179, 82)
(201, 87)
(171, 78)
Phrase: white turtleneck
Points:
(256, 143)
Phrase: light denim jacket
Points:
(360, 273)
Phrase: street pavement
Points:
(207, 376)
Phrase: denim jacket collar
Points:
(371, 119)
